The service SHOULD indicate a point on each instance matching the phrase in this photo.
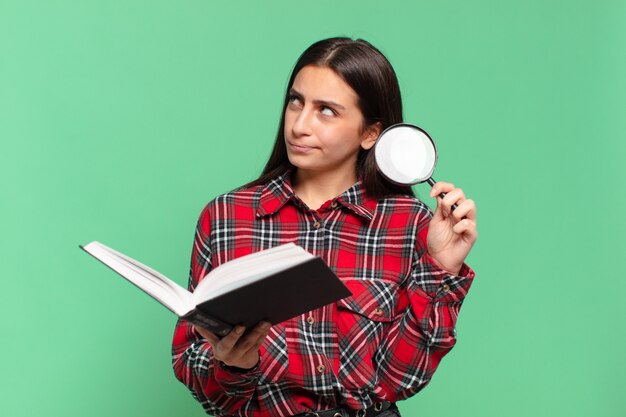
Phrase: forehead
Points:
(322, 83)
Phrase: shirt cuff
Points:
(449, 287)
(231, 376)
(239, 371)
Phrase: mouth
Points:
(300, 148)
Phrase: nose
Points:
(302, 123)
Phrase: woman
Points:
(320, 189)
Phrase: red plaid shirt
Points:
(382, 343)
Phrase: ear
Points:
(371, 135)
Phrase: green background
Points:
(119, 120)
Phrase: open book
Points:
(274, 285)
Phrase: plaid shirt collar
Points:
(279, 191)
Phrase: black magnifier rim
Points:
(429, 138)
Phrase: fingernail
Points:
(239, 329)
(266, 325)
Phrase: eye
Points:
(327, 111)
(294, 100)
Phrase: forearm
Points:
(425, 332)
(217, 388)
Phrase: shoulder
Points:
(239, 196)
(237, 202)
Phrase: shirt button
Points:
(321, 369)
(378, 311)
(333, 204)
(316, 225)
(446, 288)
(310, 320)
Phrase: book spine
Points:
(217, 327)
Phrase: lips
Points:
(300, 148)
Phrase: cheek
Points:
(288, 123)
(340, 138)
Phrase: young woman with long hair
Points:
(320, 189)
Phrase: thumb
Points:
(439, 212)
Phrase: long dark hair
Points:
(371, 76)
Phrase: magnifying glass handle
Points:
(442, 195)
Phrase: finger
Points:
(208, 335)
(441, 187)
(438, 214)
(456, 196)
(466, 227)
(256, 337)
(466, 209)
(227, 343)
(444, 205)
(251, 339)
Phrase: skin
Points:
(324, 130)
(235, 350)
(451, 234)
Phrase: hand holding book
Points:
(238, 348)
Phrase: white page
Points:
(250, 268)
(158, 286)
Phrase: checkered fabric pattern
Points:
(382, 343)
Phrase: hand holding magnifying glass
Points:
(406, 155)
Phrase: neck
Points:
(315, 188)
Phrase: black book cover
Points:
(279, 297)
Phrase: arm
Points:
(218, 387)
(424, 331)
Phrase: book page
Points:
(247, 269)
(161, 288)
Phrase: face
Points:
(323, 123)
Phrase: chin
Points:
(304, 166)
(299, 162)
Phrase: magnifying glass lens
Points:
(405, 154)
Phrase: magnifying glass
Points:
(406, 155)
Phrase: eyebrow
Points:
(329, 103)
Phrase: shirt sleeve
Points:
(424, 329)
(221, 390)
